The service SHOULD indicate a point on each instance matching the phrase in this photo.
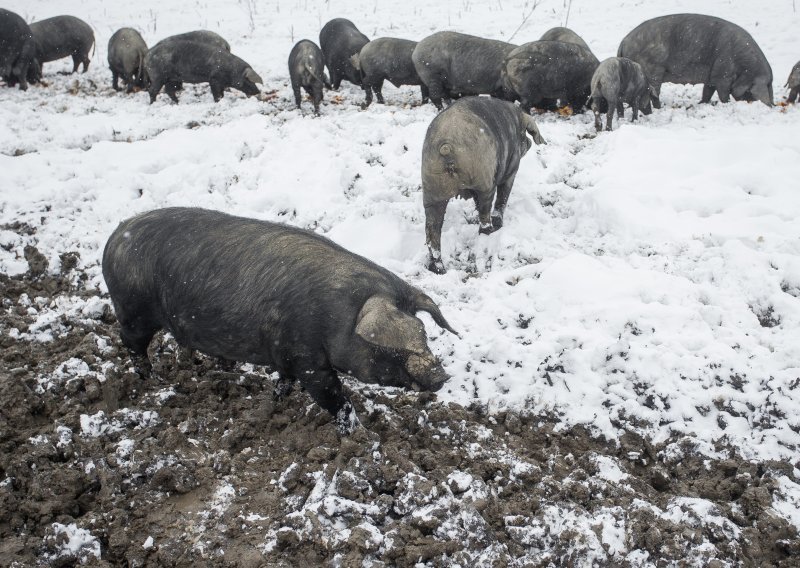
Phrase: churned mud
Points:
(200, 464)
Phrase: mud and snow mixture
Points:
(625, 389)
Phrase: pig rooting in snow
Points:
(17, 50)
(126, 53)
(472, 150)
(694, 48)
(307, 71)
(619, 80)
(339, 40)
(171, 63)
(269, 294)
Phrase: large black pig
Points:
(387, 58)
(549, 70)
(453, 64)
(170, 64)
(126, 53)
(307, 71)
(694, 48)
(472, 150)
(269, 294)
(340, 39)
(63, 36)
(17, 49)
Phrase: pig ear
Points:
(252, 76)
(380, 322)
(532, 129)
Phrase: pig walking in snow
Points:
(17, 49)
(472, 150)
(307, 71)
(793, 82)
(269, 294)
(339, 40)
(619, 80)
(63, 36)
(387, 58)
(565, 35)
(453, 64)
(170, 64)
(126, 53)
(694, 48)
(539, 72)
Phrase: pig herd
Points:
(266, 293)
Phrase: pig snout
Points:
(427, 374)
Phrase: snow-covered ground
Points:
(646, 279)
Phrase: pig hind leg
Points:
(425, 94)
(434, 219)
(377, 87)
(115, 80)
(316, 96)
(483, 201)
(298, 97)
(793, 94)
(171, 88)
(503, 192)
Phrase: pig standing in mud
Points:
(387, 58)
(307, 71)
(540, 72)
(694, 48)
(17, 49)
(452, 64)
(339, 40)
(793, 82)
(472, 150)
(170, 64)
(619, 80)
(63, 36)
(269, 294)
(126, 53)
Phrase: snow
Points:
(76, 542)
(645, 279)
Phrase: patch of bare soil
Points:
(200, 465)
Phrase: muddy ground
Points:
(199, 465)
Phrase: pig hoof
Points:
(346, 419)
(436, 266)
(487, 229)
(497, 221)
(283, 388)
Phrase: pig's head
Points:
(247, 82)
(646, 99)
(753, 88)
(400, 338)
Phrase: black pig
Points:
(17, 49)
(564, 34)
(126, 53)
(387, 58)
(63, 36)
(307, 70)
(694, 48)
(340, 40)
(453, 64)
(472, 150)
(170, 64)
(549, 70)
(619, 80)
(269, 294)
(201, 36)
(793, 82)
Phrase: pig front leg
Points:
(434, 219)
(793, 94)
(708, 92)
(324, 386)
